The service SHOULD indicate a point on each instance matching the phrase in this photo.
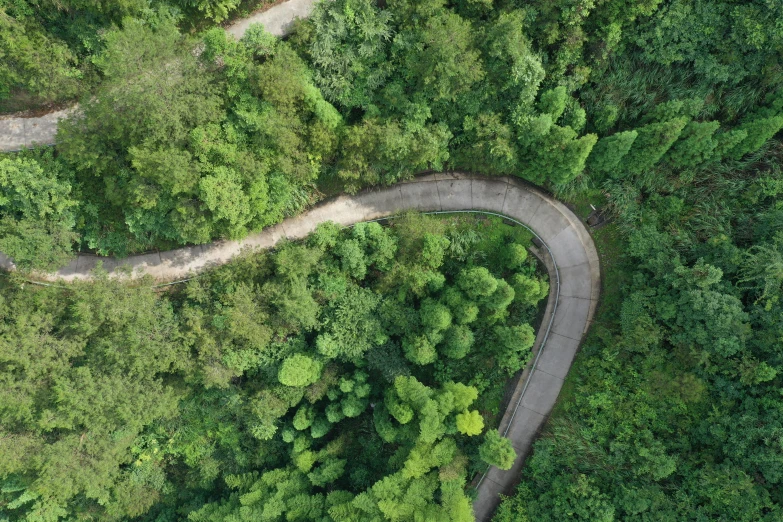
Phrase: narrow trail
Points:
(567, 251)
(17, 133)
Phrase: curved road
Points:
(572, 263)
(17, 133)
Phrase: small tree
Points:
(477, 282)
(419, 350)
(514, 256)
(726, 141)
(457, 342)
(553, 102)
(651, 144)
(463, 311)
(608, 151)
(303, 418)
(36, 215)
(529, 290)
(497, 451)
(695, 144)
(299, 370)
(435, 315)
(558, 156)
(513, 346)
(352, 258)
(329, 471)
(462, 394)
(470, 423)
(759, 131)
(497, 303)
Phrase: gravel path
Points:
(569, 253)
(17, 133)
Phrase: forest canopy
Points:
(185, 135)
(664, 114)
(354, 375)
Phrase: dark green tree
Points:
(652, 142)
(759, 131)
(608, 152)
(695, 144)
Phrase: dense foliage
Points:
(355, 375)
(187, 136)
(663, 111)
(199, 151)
(673, 411)
(676, 411)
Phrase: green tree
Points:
(350, 50)
(514, 256)
(695, 144)
(477, 282)
(434, 315)
(32, 61)
(513, 346)
(558, 156)
(463, 310)
(36, 215)
(726, 141)
(457, 342)
(759, 131)
(157, 85)
(444, 62)
(419, 350)
(511, 62)
(328, 472)
(652, 142)
(462, 394)
(83, 377)
(382, 152)
(470, 423)
(497, 451)
(299, 370)
(553, 102)
(216, 10)
(529, 290)
(609, 151)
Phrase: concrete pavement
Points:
(277, 19)
(22, 133)
(568, 253)
(17, 133)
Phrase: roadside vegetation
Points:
(185, 136)
(354, 375)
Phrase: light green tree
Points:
(470, 422)
(299, 370)
(497, 451)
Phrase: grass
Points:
(614, 276)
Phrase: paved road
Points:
(17, 133)
(22, 133)
(277, 19)
(572, 261)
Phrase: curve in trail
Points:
(568, 252)
(17, 133)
